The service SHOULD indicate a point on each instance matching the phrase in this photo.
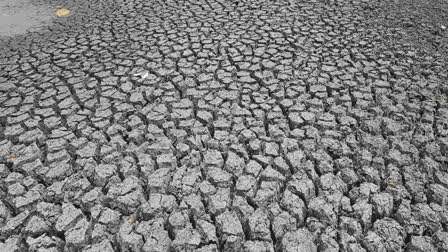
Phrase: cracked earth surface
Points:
(259, 126)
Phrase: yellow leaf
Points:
(63, 13)
(392, 184)
(13, 159)
(133, 218)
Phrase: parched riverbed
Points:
(218, 125)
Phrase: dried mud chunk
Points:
(427, 217)
(391, 232)
(29, 199)
(349, 176)
(322, 210)
(253, 168)
(57, 171)
(12, 244)
(213, 158)
(36, 226)
(100, 233)
(229, 225)
(294, 205)
(235, 164)
(296, 120)
(233, 243)
(421, 244)
(4, 171)
(254, 147)
(351, 226)
(184, 180)
(332, 183)
(270, 174)
(302, 186)
(219, 177)
(415, 184)
(157, 241)
(271, 149)
(146, 163)
(77, 236)
(146, 228)
(355, 247)
(194, 203)
(373, 242)
(246, 185)
(178, 221)
(158, 181)
(283, 223)
(441, 240)
(328, 243)
(127, 196)
(247, 135)
(363, 192)
(5, 213)
(206, 188)
(220, 201)
(267, 193)
(242, 208)
(103, 173)
(300, 240)
(13, 130)
(262, 159)
(207, 231)
(405, 218)
(370, 174)
(44, 242)
(128, 239)
(110, 218)
(439, 194)
(48, 210)
(158, 204)
(207, 248)
(257, 246)
(441, 177)
(324, 161)
(280, 165)
(104, 246)
(441, 212)
(69, 217)
(166, 161)
(363, 211)
(259, 226)
(308, 117)
(204, 116)
(383, 204)
(88, 150)
(186, 239)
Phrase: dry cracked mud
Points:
(218, 125)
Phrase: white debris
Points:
(143, 75)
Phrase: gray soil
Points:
(20, 16)
(259, 126)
